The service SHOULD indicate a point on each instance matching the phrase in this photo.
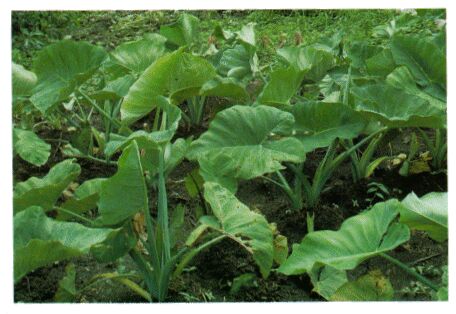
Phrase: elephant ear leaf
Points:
(318, 123)
(23, 81)
(370, 287)
(176, 76)
(183, 32)
(359, 238)
(61, 67)
(239, 223)
(396, 108)
(125, 193)
(40, 240)
(428, 213)
(422, 57)
(45, 191)
(136, 56)
(326, 280)
(254, 141)
(30, 147)
(284, 83)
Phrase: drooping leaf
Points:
(30, 147)
(249, 229)
(184, 31)
(125, 193)
(66, 291)
(225, 87)
(318, 123)
(253, 141)
(326, 280)
(60, 67)
(283, 84)
(427, 213)
(395, 107)
(359, 238)
(45, 191)
(23, 81)
(370, 287)
(422, 57)
(39, 240)
(314, 61)
(178, 76)
(138, 55)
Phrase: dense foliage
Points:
(150, 104)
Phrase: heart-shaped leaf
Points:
(359, 238)
(30, 147)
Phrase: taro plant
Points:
(326, 255)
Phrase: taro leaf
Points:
(425, 60)
(30, 147)
(381, 64)
(359, 238)
(326, 280)
(237, 62)
(316, 62)
(45, 191)
(225, 87)
(183, 32)
(239, 223)
(116, 245)
(85, 198)
(370, 287)
(62, 66)
(359, 51)
(428, 213)
(318, 123)
(39, 240)
(66, 291)
(23, 81)
(125, 193)
(283, 84)
(247, 34)
(178, 76)
(396, 108)
(401, 77)
(221, 33)
(138, 55)
(252, 140)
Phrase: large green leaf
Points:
(424, 58)
(125, 193)
(23, 81)
(326, 280)
(60, 67)
(283, 84)
(45, 191)
(395, 107)
(359, 238)
(238, 62)
(239, 223)
(359, 51)
(255, 140)
(39, 240)
(247, 34)
(138, 55)
(318, 123)
(314, 61)
(225, 87)
(30, 147)
(178, 76)
(402, 78)
(428, 213)
(370, 287)
(381, 64)
(183, 32)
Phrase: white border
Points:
(6, 278)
